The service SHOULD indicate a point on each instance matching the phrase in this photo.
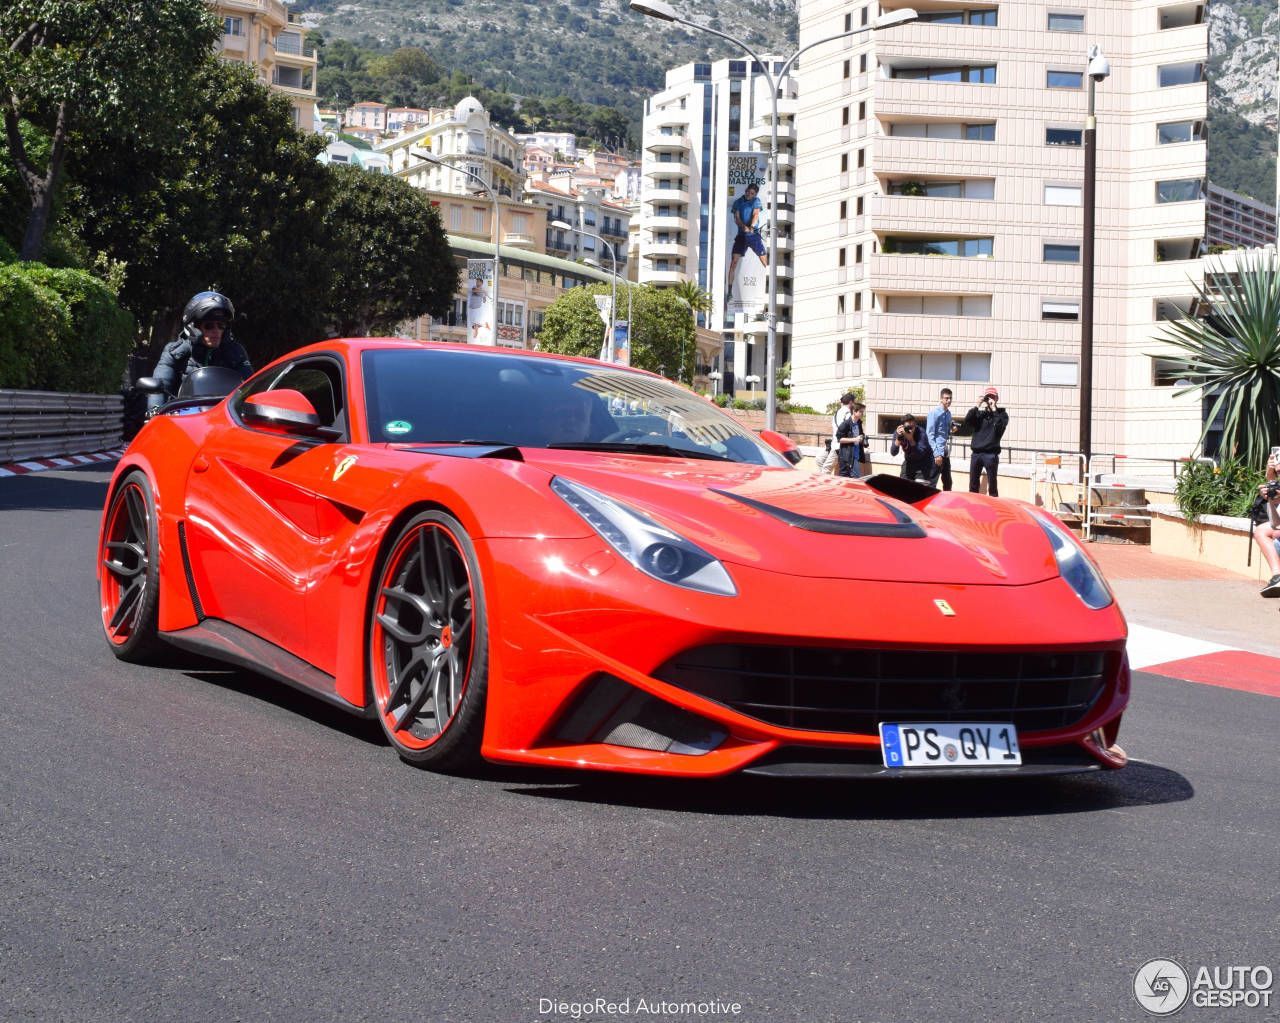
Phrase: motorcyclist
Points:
(206, 340)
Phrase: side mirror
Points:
(284, 410)
(782, 444)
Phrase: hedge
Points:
(60, 330)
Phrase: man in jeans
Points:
(937, 430)
(842, 413)
(987, 422)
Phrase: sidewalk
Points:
(1181, 611)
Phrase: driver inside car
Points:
(205, 341)
(568, 417)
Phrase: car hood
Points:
(802, 524)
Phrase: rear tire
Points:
(428, 643)
(129, 572)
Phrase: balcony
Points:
(663, 277)
(673, 117)
(519, 241)
(653, 195)
(665, 250)
(667, 169)
(673, 223)
(666, 142)
(762, 131)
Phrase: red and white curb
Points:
(65, 462)
(1197, 660)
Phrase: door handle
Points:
(200, 464)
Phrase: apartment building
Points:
(1238, 221)
(940, 230)
(266, 35)
(686, 231)
(596, 227)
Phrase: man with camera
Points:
(1267, 533)
(917, 458)
(986, 421)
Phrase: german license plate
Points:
(950, 744)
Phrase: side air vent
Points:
(186, 568)
(616, 713)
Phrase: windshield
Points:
(435, 396)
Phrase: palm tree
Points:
(1233, 354)
(697, 299)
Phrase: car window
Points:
(442, 396)
(318, 379)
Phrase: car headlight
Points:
(1077, 569)
(645, 544)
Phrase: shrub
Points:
(60, 330)
(1226, 489)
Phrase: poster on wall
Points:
(482, 316)
(746, 288)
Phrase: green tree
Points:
(662, 332)
(237, 203)
(1233, 354)
(699, 301)
(395, 260)
(63, 63)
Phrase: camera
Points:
(1273, 489)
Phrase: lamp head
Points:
(1099, 66)
(654, 9)
(561, 225)
(899, 17)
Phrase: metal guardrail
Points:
(46, 424)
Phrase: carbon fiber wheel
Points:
(428, 644)
(128, 572)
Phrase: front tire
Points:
(428, 643)
(129, 572)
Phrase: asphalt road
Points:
(200, 844)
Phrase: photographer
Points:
(987, 422)
(917, 458)
(1267, 532)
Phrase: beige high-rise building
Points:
(266, 35)
(939, 223)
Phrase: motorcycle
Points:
(198, 391)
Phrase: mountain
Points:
(1242, 96)
(595, 51)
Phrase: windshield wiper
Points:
(646, 448)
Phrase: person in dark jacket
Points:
(205, 341)
(851, 437)
(917, 457)
(987, 422)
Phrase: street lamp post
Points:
(1099, 68)
(563, 225)
(665, 12)
(497, 225)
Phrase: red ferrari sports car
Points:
(541, 560)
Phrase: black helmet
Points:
(207, 304)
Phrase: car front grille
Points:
(853, 690)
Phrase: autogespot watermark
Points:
(1162, 986)
(642, 1008)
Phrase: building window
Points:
(1062, 195)
(1059, 373)
(848, 22)
(232, 26)
(1063, 136)
(862, 157)
(848, 68)
(857, 301)
(844, 115)
(1066, 22)
(945, 366)
(865, 14)
(840, 256)
(1189, 73)
(1061, 252)
(862, 63)
(963, 247)
(973, 188)
(455, 217)
(1182, 190)
(1065, 79)
(844, 209)
(938, 305)
(1169, 373)
(1180, 131)
(862, 111)
(1058, 309)
(839, 305)
(984, 74)
(981, 132)
(857, 253)
(844, 163)
(978, 16)
(857, 206)
(839, 351)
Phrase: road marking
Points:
(1230, 669)
(1155, 646)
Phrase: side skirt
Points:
(222, 641)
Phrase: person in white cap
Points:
(987, 422)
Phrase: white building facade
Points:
(939, 229)
(686, 230)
